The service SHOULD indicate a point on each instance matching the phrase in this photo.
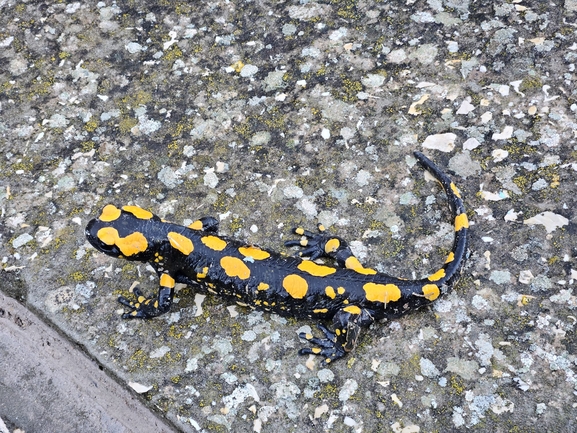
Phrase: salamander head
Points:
(123, 232)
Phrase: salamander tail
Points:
(449, 272)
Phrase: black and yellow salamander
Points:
(346, 292)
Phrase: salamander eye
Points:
(102, 238)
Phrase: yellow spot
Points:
(314, 269)
(338, 331)
(214, 243)
(332, 245)
(138, 212)
(108, 235)
(353, 263)
(299, 231)
(109, 213)
(202, 274)
(320, 310)
(340, 290)
(455, 190)
(353, 309)
(330, 292)
(237, 66)
(321, 228)
(263, 286)
(450, 258)
(295, 285)
(167, 281)
(431, 291)
(132, 244)
(309, 336)
(461, 221)
(181, 243)
(437, 275)
(197, 225)
(316, 350)
(254, 252)
(235, 267)
(384, 293)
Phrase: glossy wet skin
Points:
(343, 291)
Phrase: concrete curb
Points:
(48, 385)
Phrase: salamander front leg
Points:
(148, 307)
(321, 244)
(347, 324)
(317, 245)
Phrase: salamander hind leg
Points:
(347, 325)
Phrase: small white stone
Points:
(373, 80)
(133, 47)
(499, 155)
(139, 388)
(248, 71)
(466, 106)
(326, 134)
(486, 116)
(471, 143)
(550, 220)
(504, 135)
(525, 277)
(511, 215)
(443, 142)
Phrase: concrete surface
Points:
(49, 385)
(269, 115)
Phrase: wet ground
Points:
(269, 115)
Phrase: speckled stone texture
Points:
(269, 115)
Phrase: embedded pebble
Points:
(550, 220)
(499, 155)
(160, 352)
(428, 369)
(23, 239)
(248, 71)
(348, 389)
(500, 277)
(466, 106)
(471, 143)
(443, 142)
(504, 135)
(525, 277)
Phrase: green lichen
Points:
(78, 276)
(126, 124)
(91, 125)
(531, 83)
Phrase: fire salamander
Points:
(347, 293)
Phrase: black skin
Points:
(346, 293)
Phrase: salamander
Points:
(344, 291)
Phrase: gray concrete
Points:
(49, 385)
(270, 115)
